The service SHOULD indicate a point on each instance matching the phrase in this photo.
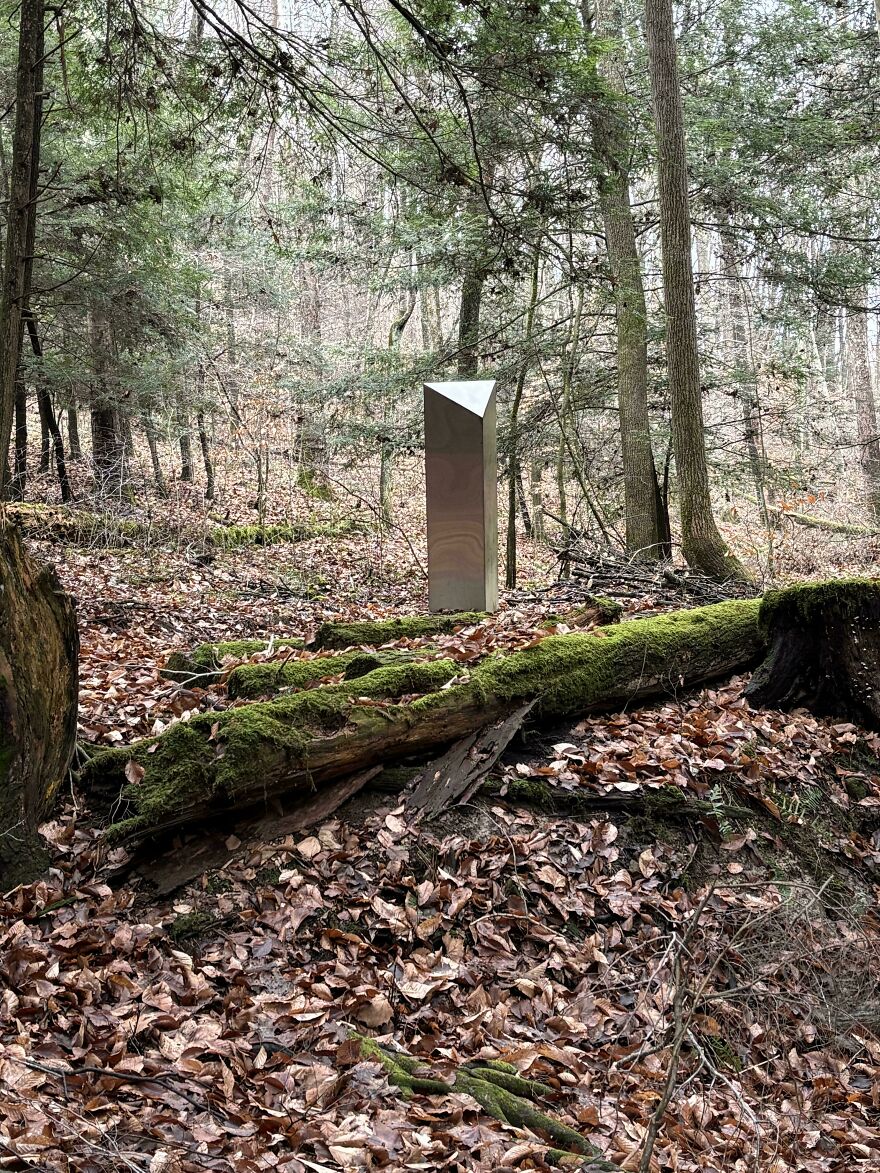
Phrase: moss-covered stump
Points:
(500, 1091)
(38, 700)
(247, 755)
(824, 650)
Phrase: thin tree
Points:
(702, 544)
(22, 210)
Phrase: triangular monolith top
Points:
(473, 395)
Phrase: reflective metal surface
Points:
(461, 478)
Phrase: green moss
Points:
(191, 925)
(369, 633)
(815, 603)
(254, 680)
(201, 763)
(206, 661)
(571, 673)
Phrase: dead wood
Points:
(39, 648)
(456, 776)
(246, 756)
(823, 650)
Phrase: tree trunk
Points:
(206, 457)
(824, 650)
(108, 456)
(186, 458)
(536, 492)
(18, 481)
(647, 529)
(47, 417)
(702, 544)
(743, 369)
(153, 445)
(22, 211)
(38, 687)
(245, 756)
(858, 369)
(514, 475)
(73, 434)
(44, 407)
(469, 322)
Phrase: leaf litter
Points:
(597, 951)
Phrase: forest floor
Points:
(711, 977)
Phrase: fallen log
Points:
(250, 681)
(38, 697)
(205, 664)
(824, 650)
(811, 521)
(247, 755)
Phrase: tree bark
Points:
(743, 370)
(702, 544)
(514, 475)
(858, 369)
(153, 445)
(245, 756)
(205, 445)
(647, 527)
(38, 703)
(18, 481)
(22, 212)
(108, 453)
(49, 424)
(824, 650)
(73, 434)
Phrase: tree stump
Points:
(39, 647)
(824, 650)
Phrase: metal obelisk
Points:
(461, 479)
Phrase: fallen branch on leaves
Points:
(245, 756)
(780, 516)
(502, 1093)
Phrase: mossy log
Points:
(501, 1092)
(207, 663)
(245, 756)
(250, 681)
(372, 633)
(38, 699)
(823, 650)
(62, 523)
(824, 523)
(375, 633)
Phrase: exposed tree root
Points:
(501, 1092)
